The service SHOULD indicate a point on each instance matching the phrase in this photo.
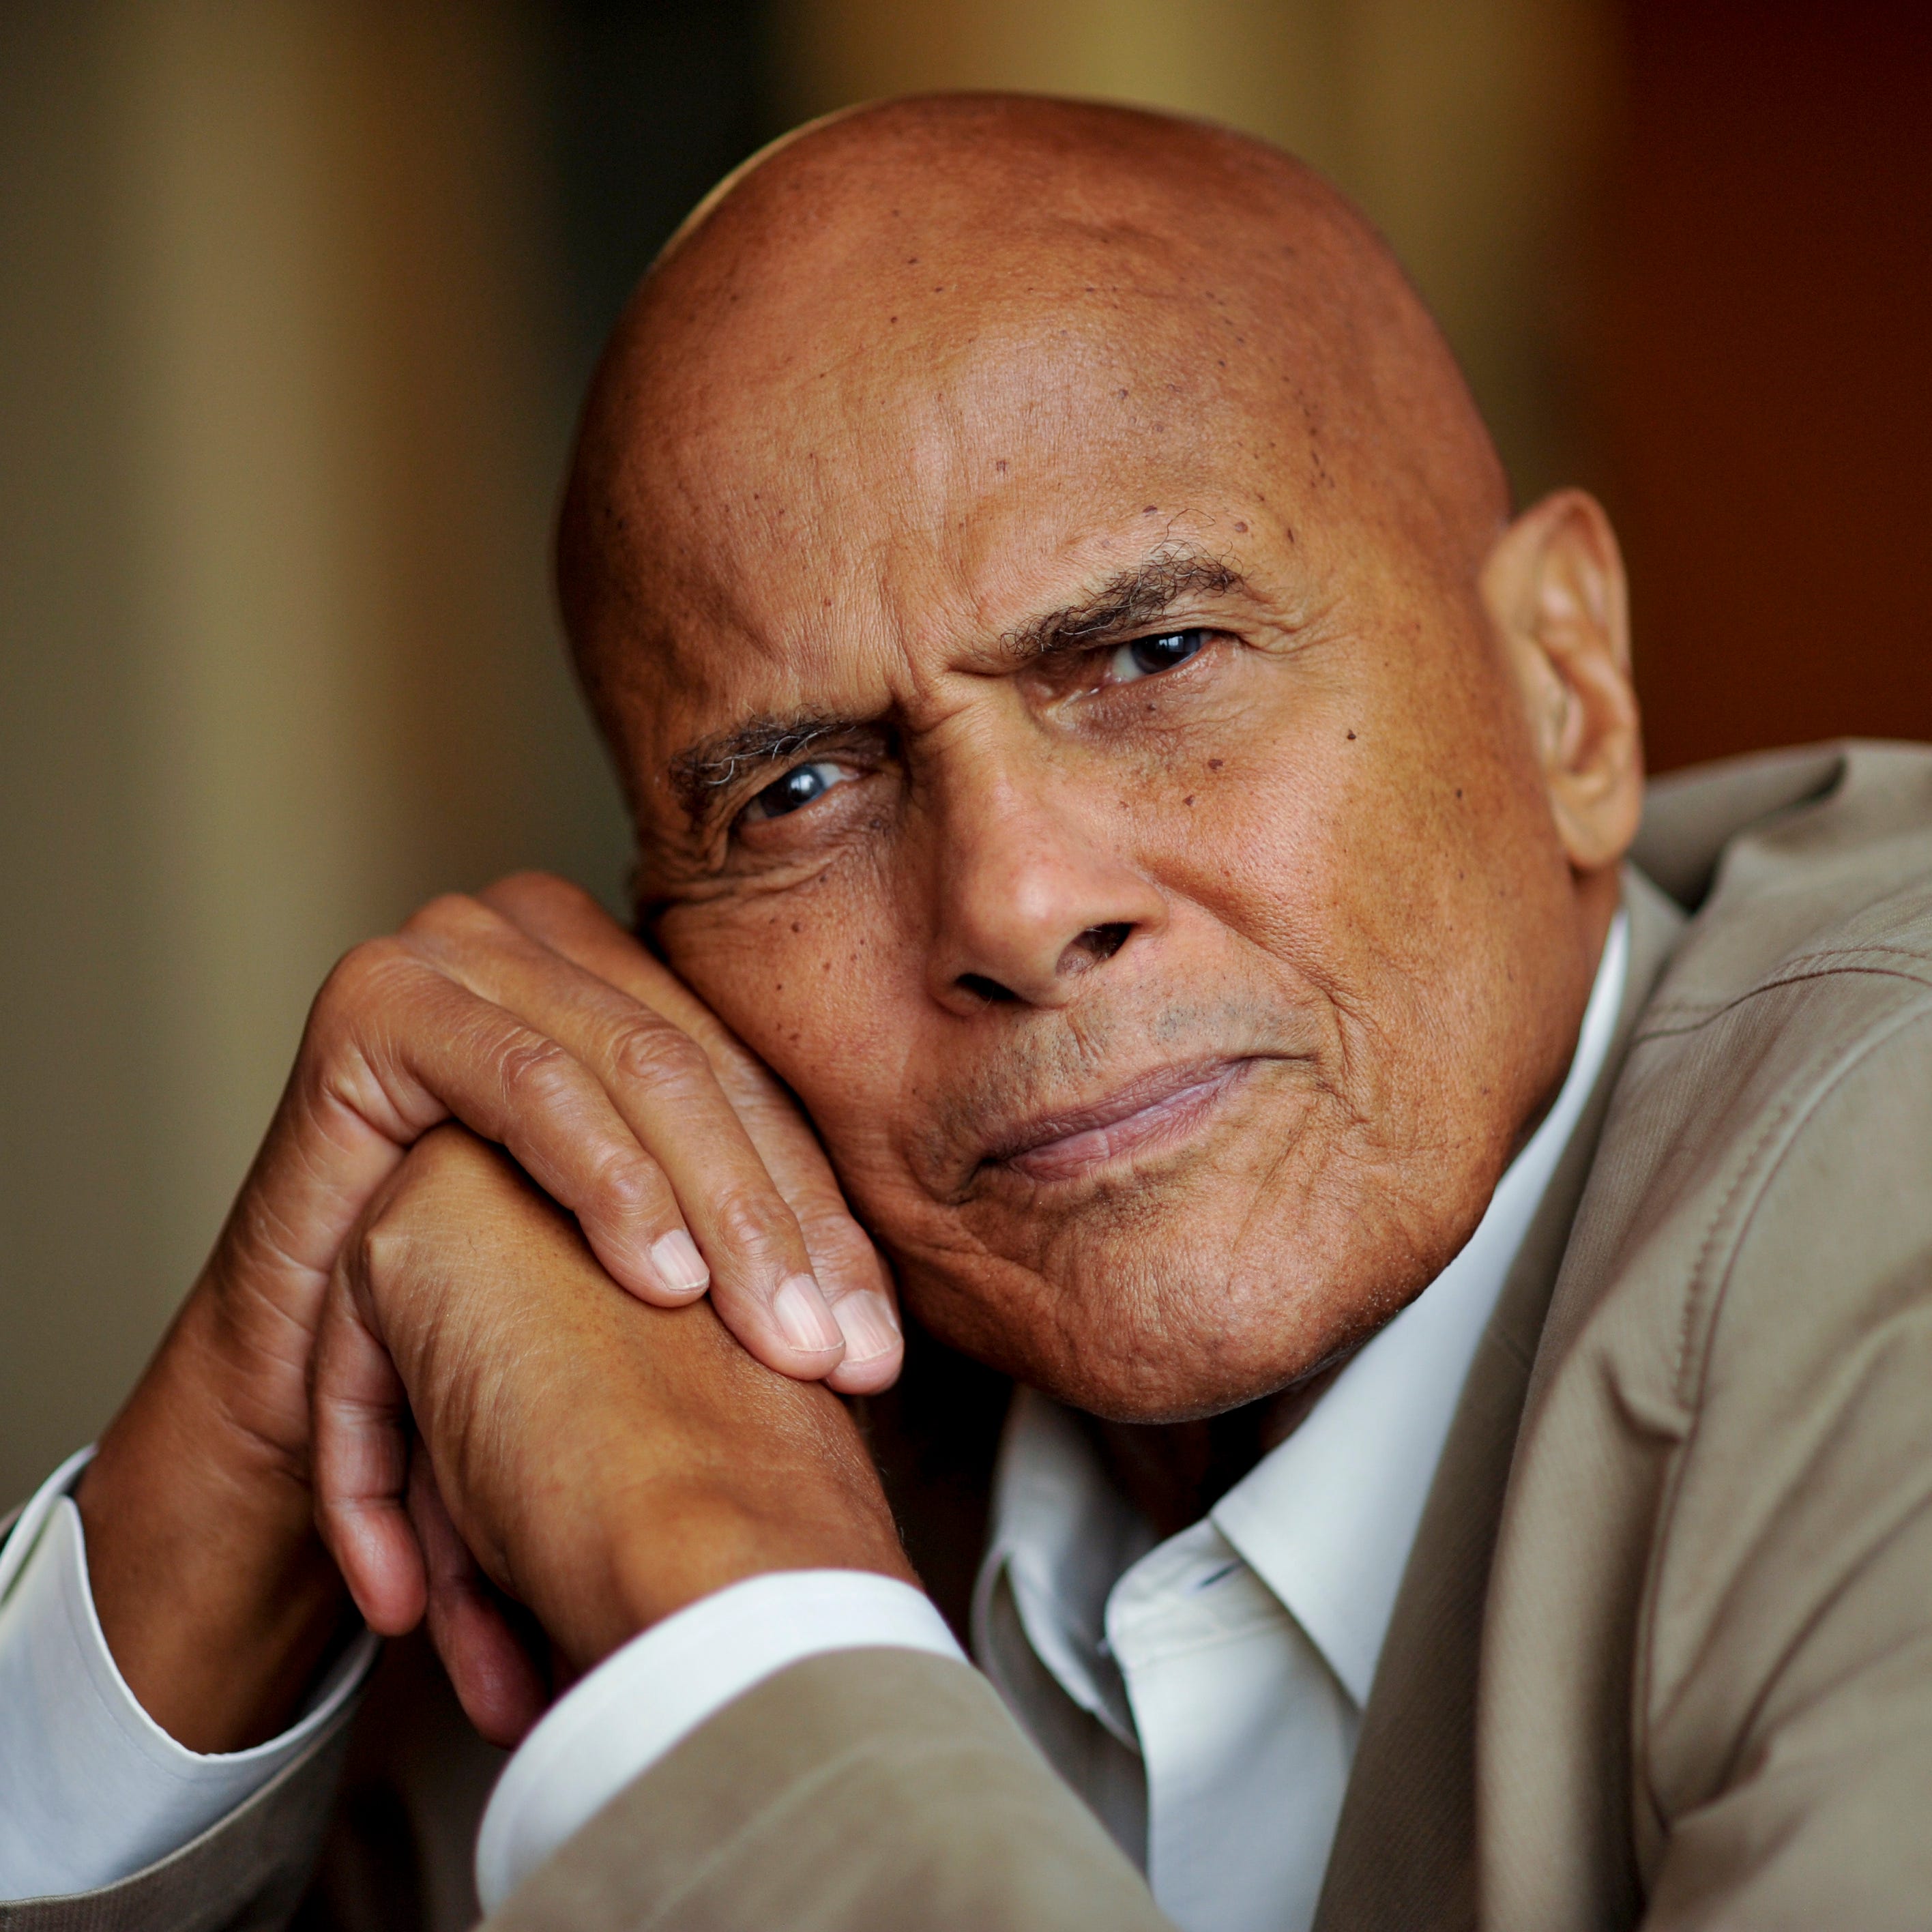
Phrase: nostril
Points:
(989, 990)
(1094, 947)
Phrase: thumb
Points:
(360, 1415)
(472, 1624)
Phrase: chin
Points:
(1255, 1254)
(1153, 1331)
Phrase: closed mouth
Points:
(1159, 1108)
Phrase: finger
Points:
(497, 1681)
(868, 1318)
(663, 1085)
(854, 1279)
(362, 1450)
(405, 1043)
(567, 920)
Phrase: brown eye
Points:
(798, 787)
(1148, 657)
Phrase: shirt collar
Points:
(1326, 1520)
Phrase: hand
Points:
(608, 1463)
(532, 1017)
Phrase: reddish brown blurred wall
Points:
(1766, 343)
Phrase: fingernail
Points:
(871, 1328)
(802, 1313)
(679, 1266)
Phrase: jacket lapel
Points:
(1405, 1849)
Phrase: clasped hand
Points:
(493, 1415)
(579, 1399)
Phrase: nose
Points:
(1033, 896)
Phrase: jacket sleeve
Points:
(246, 1873)
(1785, 1693)
(862, 1791)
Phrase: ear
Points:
(1554, 588)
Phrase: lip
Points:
(1163, 1106)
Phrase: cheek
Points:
(1372, 813)
(818, 984)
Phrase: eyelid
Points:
(765, 782)
(1107, 653)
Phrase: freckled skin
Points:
(924, 374)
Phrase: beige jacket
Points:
(1663, 1652)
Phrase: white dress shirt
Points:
(1202, 1693)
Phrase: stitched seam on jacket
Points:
(1805, 1093)
(1694, 1014)
(1645, 1669)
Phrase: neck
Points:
(1174, 1473)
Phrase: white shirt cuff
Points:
(627, 1713)
(91, 1789)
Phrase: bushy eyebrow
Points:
(701, 771)
(1142, 595)
(1139, 596)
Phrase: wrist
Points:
(215, 1595)
(659, 1562)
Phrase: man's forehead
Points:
(840, 411)
(851, 393)
(852, 321)
(960, 494)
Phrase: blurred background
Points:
(297, 297)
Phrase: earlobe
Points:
(1554, 588)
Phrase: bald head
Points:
(1127, 272)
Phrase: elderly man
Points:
(1099, 739)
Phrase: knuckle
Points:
(537, 892)
(449, 916)
(362, 981)
(442, 1169)
(843, 1252)
(382, 1247)
(747, 1224)
(628, 1187)
(537, 1073)
(653, 1053)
